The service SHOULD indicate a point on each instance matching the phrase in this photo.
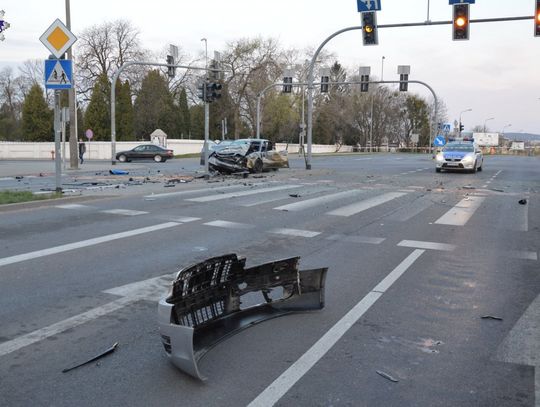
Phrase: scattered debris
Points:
(295, 195)
(169, 185)
(497, 190)
(468, 187)
(118, 172)
(108, 351)
(387, 376)
(522, 202)
(492, 317)
(19, 177)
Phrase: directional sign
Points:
(57, 38)
(451, 2)
(439, 141)
(368, 5)
(58, 73)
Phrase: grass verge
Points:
(9, 197)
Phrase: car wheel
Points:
(480, 168)
(258, 166)
(158, 158)
(474, 169)
(122, 158)
(437, 170)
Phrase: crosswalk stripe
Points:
(357, 239)
(309, 203)
(73, 206)
(198, 191)
(125, 212)
(294, 232)
(229, 225)
(361, 206)
(460, 214)
(210, 198)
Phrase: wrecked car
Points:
(209, 301)
(253, 155)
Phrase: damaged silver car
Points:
(204, 305)
(253, 155)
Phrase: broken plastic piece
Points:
(204, 304)
(110, 350)
(492, 317)
(387, 376)
(522, 202)
(118, 172)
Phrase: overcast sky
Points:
(496, 73)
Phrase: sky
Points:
(496, 73)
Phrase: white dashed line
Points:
(427, 245)
(125, 212)
(229, 225)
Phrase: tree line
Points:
(147, 98)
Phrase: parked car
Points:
(146, 152)
(253, 155)
(461, 155)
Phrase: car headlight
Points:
(468, 159)
(439, 157)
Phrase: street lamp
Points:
(504, 128)
(464, 111)
(487, 120)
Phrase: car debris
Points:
(492, 317)
(105, 353)
(118, 172)
(522, 202)
(204, 304)
(387, 376)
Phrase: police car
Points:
(460, 155)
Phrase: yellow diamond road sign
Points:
(57, 38)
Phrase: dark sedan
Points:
(146, 152)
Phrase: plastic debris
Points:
(295, 195)
(118, 172)
(108, 351)
(522, 202)
(492, 317)
(387, 376)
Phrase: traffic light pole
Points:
(113, 95)
(432, 126)
(317, 52)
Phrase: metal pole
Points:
(382, 68)
(371, 127)
(206, 111)
(73, 159)
(57, 131)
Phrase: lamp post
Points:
(504, 128)
(206, 111)
(464, 111)
(487, 120)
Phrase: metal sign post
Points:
(57, 131)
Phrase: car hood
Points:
(456, 155)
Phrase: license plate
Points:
(452, 164)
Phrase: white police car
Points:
(460, 155)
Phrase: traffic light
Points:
(461, 22)
(461, 127)
(213, 91)
(287, 88)
(364, 83)
(171, 70)
(403, 82)
(369, 28)
(537, 19)
(324, 83)
(201, 91)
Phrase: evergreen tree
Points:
(184, 119)
(9, 127)
(154, 107)
(97, 116)
(124, 112)
(37, 118)
(196, 113)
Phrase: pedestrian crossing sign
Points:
(58, 73)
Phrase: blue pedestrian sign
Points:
(368, 5)
(439, 141)
(58, 73)
(451, 2)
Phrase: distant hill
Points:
(522, 136)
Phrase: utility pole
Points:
(73, 150)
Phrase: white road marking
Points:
(73, 206)
(357, 239)
(310, 203)
(279, 387)
(197, 191)
(151, 290)
(410, 210)
(84, 243)
(7, 179)
(294, 232)
(362, 159)
(185, 219)
(124, 212)
(229, 225)
(523, 255)
(460, 214)
(211, 198)
(427, 245)
(361, 206)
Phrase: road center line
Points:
(84, 243)
(277, 389)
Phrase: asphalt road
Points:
(415, 260)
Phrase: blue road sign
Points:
(368, 5)
(451, 2)
(58, 73)
(439, 141)
(447, 127)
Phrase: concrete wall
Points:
(101, 150)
